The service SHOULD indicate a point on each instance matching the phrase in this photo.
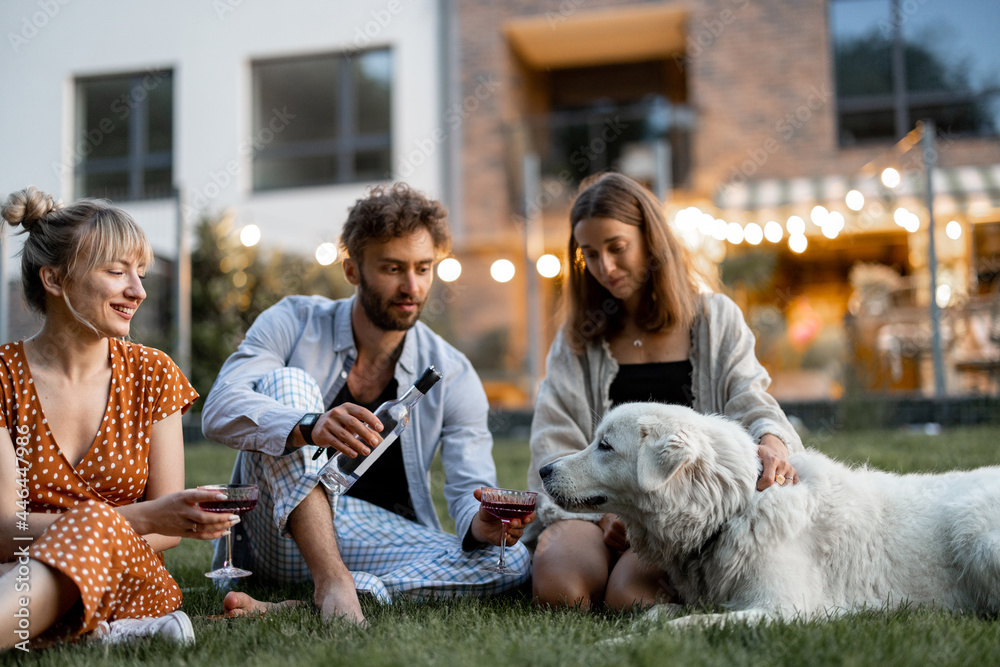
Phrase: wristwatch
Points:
(306, 425)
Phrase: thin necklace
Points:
(637, 342)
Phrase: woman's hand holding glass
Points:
(178, 515)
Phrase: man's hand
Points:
(349, 429)
(489, 529)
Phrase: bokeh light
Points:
(548, 266)
(753, 233)
(890, 177)
(855, 200)
(502, 270)
(449, 269)
(250, 235)
(773, 231)
(954, 230)
(326, 253)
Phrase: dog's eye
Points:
(604, 446)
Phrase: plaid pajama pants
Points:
(387, 554)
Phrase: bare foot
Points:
(340, 601)
(241, 604)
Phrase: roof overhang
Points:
(560, 39)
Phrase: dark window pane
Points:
(372, 165)
(319, 120)
(969, 118)
(104, 129)
(112, 158)
(157, 182)
(372, 82)
(952, 45)
(950, 72)
(160, 104)
(291, 172)
(111, 185)
(300, 96)
(862, 42)
(858, 127)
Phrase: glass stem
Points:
(503, 543)
(229, 550)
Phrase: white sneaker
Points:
(175, 626)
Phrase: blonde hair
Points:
(670, 290)
(73, 239)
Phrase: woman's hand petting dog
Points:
(615, 535)
(777, 470)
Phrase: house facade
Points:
(767, 128)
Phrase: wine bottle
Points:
(341, 472)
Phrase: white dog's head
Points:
(659, 465)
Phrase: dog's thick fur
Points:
(841, 539)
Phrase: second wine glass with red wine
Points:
(240, 499)
(506, 504)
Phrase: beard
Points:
(378, 309)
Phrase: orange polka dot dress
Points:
(117, 572)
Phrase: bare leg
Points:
(570, 565)
(50, 596)
(633, 583)
(311, 526)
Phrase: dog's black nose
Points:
(546, 470)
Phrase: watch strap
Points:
(306, 425)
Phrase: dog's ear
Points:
(662, 452)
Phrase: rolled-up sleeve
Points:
(235, 414)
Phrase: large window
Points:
(322, 119)
(900, 61)
(125, 136)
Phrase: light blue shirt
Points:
(314, 333)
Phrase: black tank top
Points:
(661, 382)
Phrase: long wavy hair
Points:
(671, 282)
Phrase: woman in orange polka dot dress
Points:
(91, 453)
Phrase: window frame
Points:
(139, 158)
(899, 102)
(345, 146)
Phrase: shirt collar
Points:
(343, 340)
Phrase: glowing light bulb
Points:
(449, 269)
(502, 270)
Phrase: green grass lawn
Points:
(509, 631)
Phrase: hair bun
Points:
(28, 206)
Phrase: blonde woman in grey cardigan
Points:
(639, 327)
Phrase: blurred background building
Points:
(782, 136)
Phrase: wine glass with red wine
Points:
(240, 499)
(506, 504)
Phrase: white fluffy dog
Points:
(841, 539)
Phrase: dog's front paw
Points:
(662, 612)
(748, 616)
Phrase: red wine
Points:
(238, 507)
(508, 510)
